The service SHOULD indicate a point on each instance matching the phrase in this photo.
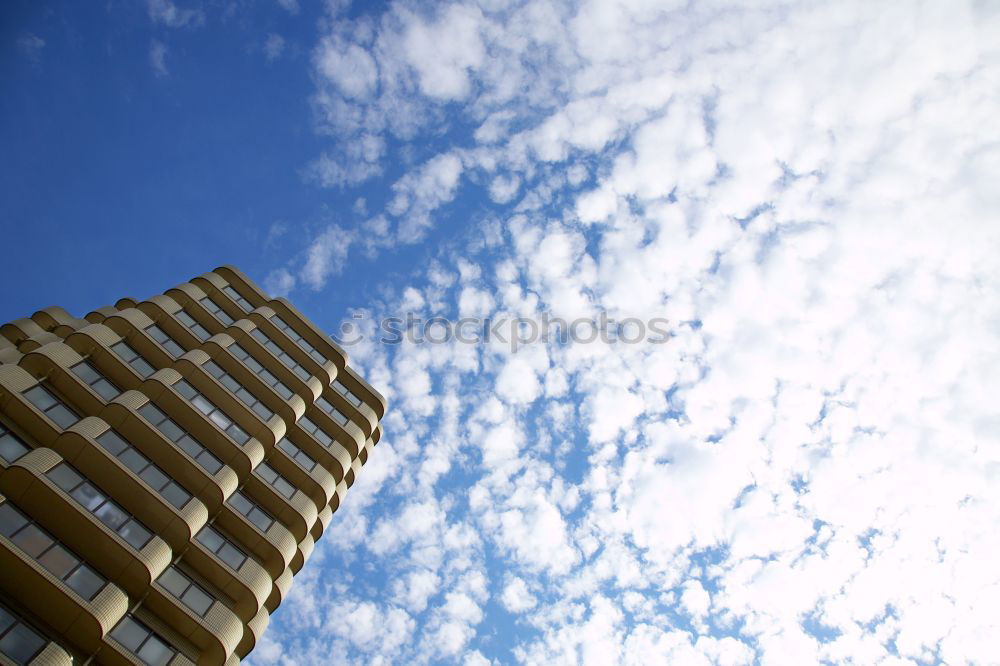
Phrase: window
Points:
(105, 509)
(18, 642)
(237, 389)
(299, 340)
(249, 509)
(179, 436)
(186, 590)
(346, 392)
(51, 406)
(214, 414)
(216, 311)
(143, 642)
(235, 295)
(259, 370)
(275, 480)
(95, 380)
(42, 547)
(223, 548)
(283, 356)
(315, 431)
(332, 411)
(144, 468)
(133, 358)
(167, 342)
(199, 331)
(11, 446)
(296, 454)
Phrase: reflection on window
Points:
(144, 468)
(251, 511)
(19, 642)
(259, 370)
(222, 547)
(151, 648)
(180, 437)
(167, 342)
(92, 377)
(283, 356)
(299, 340)
(199, 331)
(216, 311)
(235, 295)
(331, 411)
(296, 454)
(186, 590)
(315, 431)
(237, 389)
(11, 446)
(276, 480)
(51, 406)
(214, 414)
(42, 547)
(133, 358)
(105, 509)
(346, 392)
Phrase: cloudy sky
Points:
(806, 471)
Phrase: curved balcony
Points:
(81, 621)
(27, 485)
(248, 587)
(274, 547)
(216, 634)
(174, 525)
(252, 633)
(211, 489)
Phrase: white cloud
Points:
(802, 191)
(290, 6)
(325, 256)
(274, 46)
(170, 15)
(158, 58)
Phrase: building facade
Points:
(166, 467)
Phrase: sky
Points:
(806, 469)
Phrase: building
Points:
(166, 467)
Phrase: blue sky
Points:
(805, 472)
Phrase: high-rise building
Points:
(166, 467)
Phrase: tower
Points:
(166, 467)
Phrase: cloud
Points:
(274, 46)
(290, 6)
(30, 45)
(165, 12)
(158, 58)
(805, 470)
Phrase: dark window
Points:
(199, 331)
(251, 511)
(296, 454)
(346, 392)
(18, 642)
(214, 414)
(186, 590)
(235, 295)
(11, 446)
(104, 508)
(43, 547)
(315, 431)
(133, 358)
(143, 642)
(216, 311)
(95, 380)
(184, 441)
(276, 480)
(299, 340)
(237, 389)
(51, 406)
(283, 356)
(255, 367)
(167, 342)
(223, 548)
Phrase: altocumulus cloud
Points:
(807, 471)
